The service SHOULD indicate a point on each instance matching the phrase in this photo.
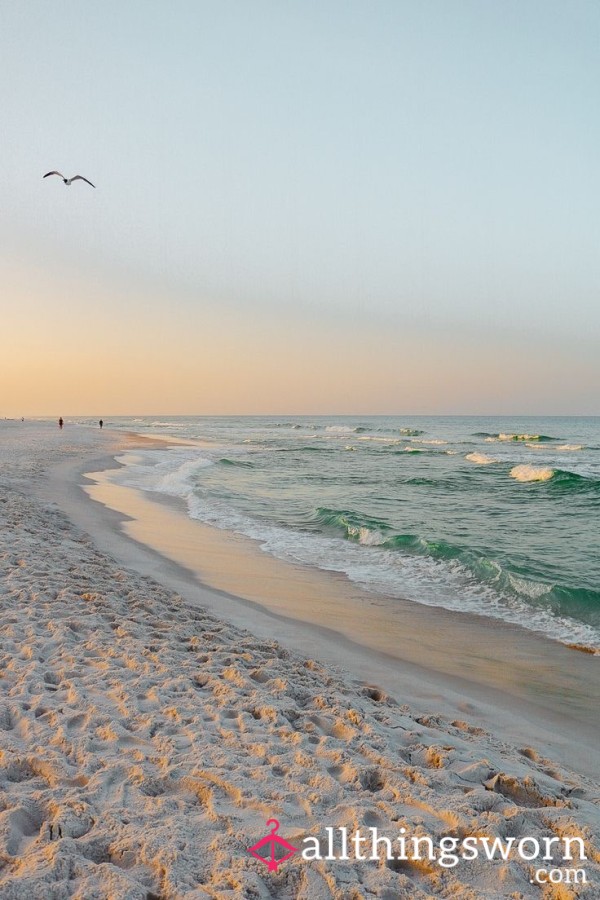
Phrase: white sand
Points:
(144, 743)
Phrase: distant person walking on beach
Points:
(100, 423)
(60, 422)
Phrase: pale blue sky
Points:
(418, 172)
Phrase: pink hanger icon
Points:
(274, 840)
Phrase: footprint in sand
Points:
(22, 822)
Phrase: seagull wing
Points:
(53, 173)
(81, 178)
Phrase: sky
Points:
(301, 206)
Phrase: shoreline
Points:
(145, 741)
(512, 680)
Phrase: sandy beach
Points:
(166, 690)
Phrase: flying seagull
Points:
(70, 180)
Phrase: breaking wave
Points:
(557, 600)
(491, 436)
(532, 473)
(481, 459)
(559, 477)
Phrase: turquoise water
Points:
(496, 516)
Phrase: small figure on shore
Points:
(100, 423)
(60, 422)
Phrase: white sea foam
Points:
(164, 471)
(167, 424)
(528, 588)
(180, 481)
(481, 459)
(532, 473)
(366, 536)
(570, 447)
(379, 440)
(518, 437)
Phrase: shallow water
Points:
(496, 516)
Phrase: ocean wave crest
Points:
(559, 478)
(532, 473)
(523, 438)
(481, 459)
(571, 447)
(355, 526)
(238, 463)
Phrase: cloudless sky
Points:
(300, 207)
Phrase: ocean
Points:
(493, 516)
